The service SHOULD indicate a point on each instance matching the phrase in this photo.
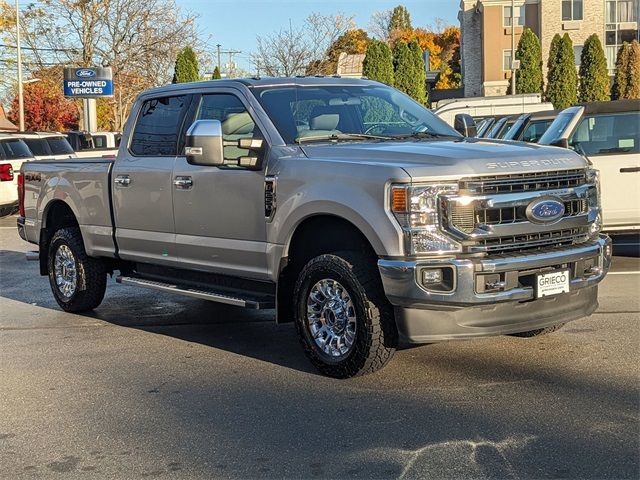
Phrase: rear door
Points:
(219, 215)
(142, 182)
(612, 142)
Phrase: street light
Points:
(20, 95)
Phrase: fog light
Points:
(432, 276)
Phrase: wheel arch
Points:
(57, 214)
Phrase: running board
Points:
(230, 297)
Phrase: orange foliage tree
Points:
(46, 108)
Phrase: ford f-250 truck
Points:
(343, 204)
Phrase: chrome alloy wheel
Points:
(64, 265)
(331, 318)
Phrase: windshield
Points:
(557, 128)
(347, 112)
(59, 146)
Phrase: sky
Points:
(235, 24)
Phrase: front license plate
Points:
(552, 283)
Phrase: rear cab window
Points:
(15, 149)
(59, 146)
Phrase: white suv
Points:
(47, 145)
(13, 152)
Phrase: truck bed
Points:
(82, 184)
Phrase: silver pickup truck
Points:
(343, 204)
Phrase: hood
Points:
(429, 159)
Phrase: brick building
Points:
(486, 34)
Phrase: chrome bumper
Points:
(403, 288)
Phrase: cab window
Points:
(607, 134)
(234, 117)
(158, 125)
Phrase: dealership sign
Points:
(88, 82)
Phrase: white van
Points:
(608, 134)
(483, 108)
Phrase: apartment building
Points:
(486, 29)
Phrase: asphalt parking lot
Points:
(151, 385)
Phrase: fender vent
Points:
(269, 196)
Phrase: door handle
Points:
(122, 180)
(630, 169)
(183, 183)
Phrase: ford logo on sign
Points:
(85, 73)
(545, 210)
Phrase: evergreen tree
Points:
(378, 63)
(186, 69)
(529, 52)
(216, 74)
(621, 78)
(419, 74)
(403, 66)
(562, 79)
(633, 75)
(400, 19)
(594, 75)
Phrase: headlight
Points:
(593, 177)
(417, 210)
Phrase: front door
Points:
(612, 142)
(219, 211)
(142, 182)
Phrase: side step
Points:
(252, 300)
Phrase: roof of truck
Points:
(614, 106)
(267, 82)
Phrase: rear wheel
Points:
(538, 332)
(78, 281)
(344, 321)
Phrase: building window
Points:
(518, 18)
(619, 16)
(506, 60)
(571, 10)
(577, 54)
(627, 11)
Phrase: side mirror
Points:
(203, 143)
(464, 124)
(560, 142)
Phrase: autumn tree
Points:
(633, 87)
(378, 62)
(594, 74)
(45, 108)
(529, 52)
(353, 41)
(562, 79)
(186, 69)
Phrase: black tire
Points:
(90, 273)
(376, 334)
(538, 332)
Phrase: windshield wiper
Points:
(340, 136)
(422, 135)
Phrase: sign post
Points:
(88, 84)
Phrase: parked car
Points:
(98, 144)
(354, 211)
(490, 107)
(13, 152)
(47, 145)
(529, 127)
(500, 127)
(608, 134)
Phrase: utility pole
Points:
(219, 67)
(231, 53)
(513, 48)
(20, 92)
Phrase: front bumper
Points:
(423, 315)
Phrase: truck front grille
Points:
(490, 213)
(524, 182)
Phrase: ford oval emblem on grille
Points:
(85, 73)
(545, 210)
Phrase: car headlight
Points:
(416, 207)
(593, 177)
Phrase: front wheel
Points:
(344, 321)
(78, 281)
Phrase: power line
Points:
(75, 50)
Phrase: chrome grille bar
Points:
(533, 181)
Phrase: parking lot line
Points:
(634, 272)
